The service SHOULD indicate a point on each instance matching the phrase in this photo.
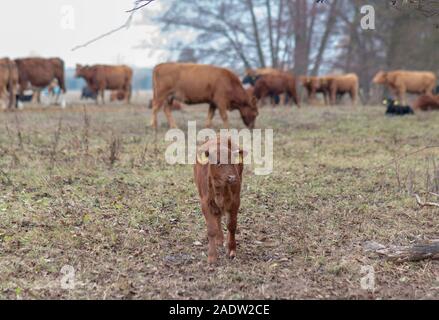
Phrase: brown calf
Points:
(117, 95)
(219, 187)
(426, 103)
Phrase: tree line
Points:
(306, 37)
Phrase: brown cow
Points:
(314, 85)
(275, 85)
(426, 103)
(252, 75)
(8, 80)
(400, 82)
(102, 77)
(196, 83)
(218, 176)
(342, 84)
(39, 73)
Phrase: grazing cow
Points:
(400, 82)
(275, 85)
(102, 77)
(218, 176)
(394, 109)
(38, 73)
(8, 80)
(196, 83)
(314, 85)
(427, 103)
(341, 84)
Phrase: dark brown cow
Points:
(8, 80)
(427, 103)
(218, 176)
(400, 82)
(38, 73)
(102, 77)
(195, 84)
(276, 84)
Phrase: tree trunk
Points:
(256, 34)
(270, 32)
(298, 10)
(332, 19)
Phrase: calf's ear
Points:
(203, 157)
(239, 156)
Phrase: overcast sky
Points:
(53, 27)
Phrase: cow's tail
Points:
(155, 89)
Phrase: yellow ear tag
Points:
(396, 103)
(203, 159)
(384, 101)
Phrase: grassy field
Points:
(92, 190)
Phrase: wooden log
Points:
(426, 204)
(416, 252)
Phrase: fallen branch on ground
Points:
(425, 204)
(416, 252)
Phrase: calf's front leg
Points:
(232, 221)
(212, 234)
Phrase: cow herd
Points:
(176, 83)
(222, 90)
(36, 74)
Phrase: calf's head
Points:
(225, 163)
